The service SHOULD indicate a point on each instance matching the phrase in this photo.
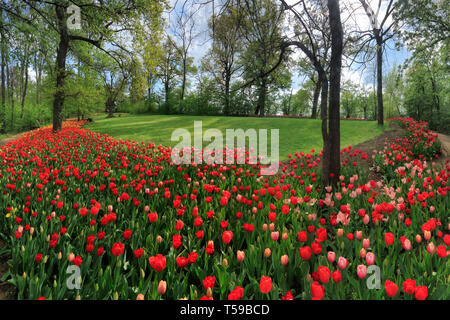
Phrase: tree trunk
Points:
(110, 107)
(262, 97)
(58, 101)
(333, 163)
(3, 92)
(24, 93)
(227, 93)
(316, 99)
(183, 84)
(380, 77)
(324, 116)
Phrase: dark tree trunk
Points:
(316, 99)
(24, 93)
(110, 106)
(262, 97)
(3, 92)
(58, 101)
(332, 166)
(380, 77)
(324, 116)
(227, 93)
(11, 87)
(183, 84)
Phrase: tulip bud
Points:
(342, 245)
(59, 255)
(366, 219)
(209, 293)
(418, 238)
(284, 259)
(431, 248)
(366, 243)
(331, 256)
(361, 271)
(162, 287)
(116, 296)
(24, 275)
(240, 255)
(340, 232)
(427, 235)
(71, 257)
(225, 263)
(142, 273)
(285, 236)
(275, 235)
(45, 259)
(267, 253)
(31, 230)
(78, 297)
(264, 227)
(140, 296)
(362, 253)
(272, 227)
(159, 239)
(359, 235)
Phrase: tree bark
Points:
(379, 40)
(333, 163)
(316, 99)
(183, 84)
(3, 92)
(58, 101)
(24, 92)
(262, 97)
(227, 92)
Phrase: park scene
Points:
(224, 150)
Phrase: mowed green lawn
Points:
(295, 135)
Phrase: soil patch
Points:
(7, 291)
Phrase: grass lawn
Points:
(295, 134)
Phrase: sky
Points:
(356, 74)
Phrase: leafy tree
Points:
(261, 30)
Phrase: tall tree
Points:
(261, 29)
(380, 33)
(167, 69)
(106, 20)
(3, 84)
(185, 33)
(222, 59)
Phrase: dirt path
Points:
(10, 138)
(445, 141)
(7, 291)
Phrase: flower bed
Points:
(137, 226)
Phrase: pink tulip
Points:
(361, 271)
(342, 263)
(275, 235)
(240, 255)
(331, 256)
(370, 258)
(366, 243)
(284, 259)
(431, 248)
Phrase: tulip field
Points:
(138, 226)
